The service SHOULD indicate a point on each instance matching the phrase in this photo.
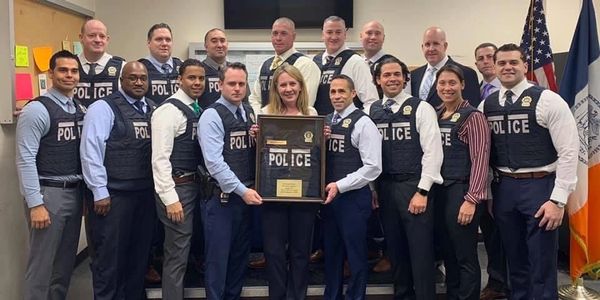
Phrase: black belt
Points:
(528, 175)
(186, 179)
(60, 184)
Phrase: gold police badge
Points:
(407, 110)
(526, 101)
(112, 71)
(346, 123)
(337, 61)
(455, 117)
(308, 137)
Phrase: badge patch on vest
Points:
(455, 117)
(308, 137)
(252, 118)
(177, 69)
(407, 110)
(337, 61)
(112, 71)
(346, 123)
(526, 102)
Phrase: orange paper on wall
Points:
(23, 86)
(41, 56)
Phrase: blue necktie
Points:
(238, 114)
(509, 97)
(139, 105)
(388, 104)
(336, 119)
(427, 83)
(487, 90)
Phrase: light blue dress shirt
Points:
(158, 65)
(33, 124)
(210, 137)
(98, 124)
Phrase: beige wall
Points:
(404, 21)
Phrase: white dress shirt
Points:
(553, 113)
(366, 138)
(429, 138)
(357, 69)
(309, 70)
(168, 122)
(375, 57)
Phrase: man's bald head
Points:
(372, 37)
(434, 45)
(94, 39)
(134, 79)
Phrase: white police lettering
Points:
(141, 130)
(336, 143)
(194, 131)
(79, 127)
(102, 89)
(518, 123)
(446, 140)
(327, 76)
(238, 139)
(401, 131)
(383, 128)
(264, 83)
(66, 131)
(213, 85)
(283, 158)
(159, 87)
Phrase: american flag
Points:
(535, 42)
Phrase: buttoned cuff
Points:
(469, 197)
(559, 195)
(240, 190)
(34, 200)
(425, 183)
(100, 193)
(169, 197)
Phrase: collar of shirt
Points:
(130, 99)
(183, 97)
(517, 90)
(399, 100)
(347, 111)
(325, 54)
(158, 65)
(213, 64)
(440, 64)
(232, 107)
(285, 55)
(375, 57)
(57, 96)
(101, 62)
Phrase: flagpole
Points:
(577, 291)
(530, 21)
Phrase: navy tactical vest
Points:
(92, 88)
(58, 154)
(518, 141)
(457, 158)
(186, 154)
(266, 76)
(328, 71)
(342, 157)
(212, 91)
(401, 147)
(161, 86)
(128, 149)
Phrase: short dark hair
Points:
(211, 31)
(158, 26)
(346, 78)
(233, 66)
(189, 62)
(485, 45)
(508, 48)
(61, 54)
(452, 69)
(391, 60)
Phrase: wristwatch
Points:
(559, 204)
(422, 192)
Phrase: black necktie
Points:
(388, 104)
(238, 114)
(166, 68)
(139, 105)
(328, 59)
(92, 70)
(509, 94)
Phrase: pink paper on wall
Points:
(23, 86)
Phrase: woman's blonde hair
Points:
(276, 106)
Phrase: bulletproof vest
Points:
(186, 154)
(92, 88)
(518, 141)
(342, 157)
(457, 159)
(128, 149)
(328, 71)
(161, 86)
(212, 91)
(266, 76)
(239, 149)
(372, 68)
(401, 147)
(58, 154)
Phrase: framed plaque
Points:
(290, 158)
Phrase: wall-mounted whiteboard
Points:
(83, 7)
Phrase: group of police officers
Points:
(158, 137)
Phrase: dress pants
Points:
(459, 242)
(409, 239)
(52, 250)
(177, 240)
(226, 246)
(531, 251)
(287, 237)
(345, 228)
(496, 258)
(122, 241)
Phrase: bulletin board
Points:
(38, 25)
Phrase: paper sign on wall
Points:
(21, 56)
(23, 86)
(66, 45)
(42, 83)
(77, 48)
(41, 56)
